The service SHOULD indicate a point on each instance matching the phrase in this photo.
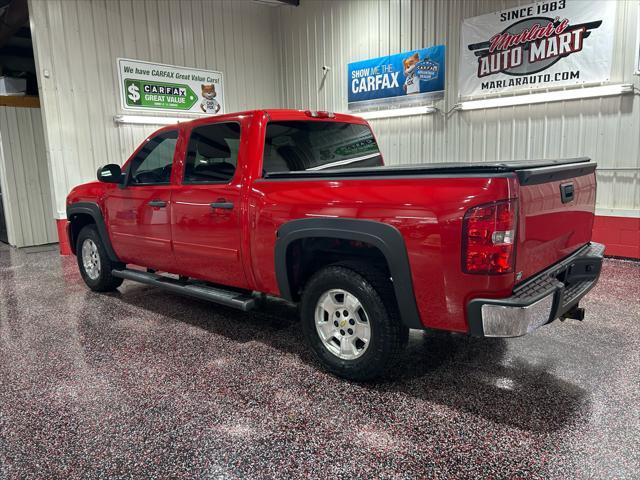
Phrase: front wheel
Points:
(94, 263)
(350, 321)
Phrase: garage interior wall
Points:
(272, 56)
(335, 33)
(76, 43)
(24, 174)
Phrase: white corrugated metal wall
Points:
(273, 57)
(25, 178)
(77, 43)
(335, 33)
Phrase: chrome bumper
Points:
(539, 300)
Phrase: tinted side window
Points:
(212, 154)
(152, 164)
(314, 145)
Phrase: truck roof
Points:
(282, 114)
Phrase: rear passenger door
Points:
(206, 208)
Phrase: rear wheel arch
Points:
(81, 214)
(384, 243)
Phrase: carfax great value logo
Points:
(142, 93)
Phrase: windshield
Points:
(304, 145)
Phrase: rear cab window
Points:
(212, 153)
(292, 146)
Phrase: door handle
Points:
(222, 203)
(157, 203)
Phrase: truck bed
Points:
(528, 171)
(550, 228)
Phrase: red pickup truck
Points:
(298, 205)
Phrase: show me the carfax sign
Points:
(541, 45)
(166, 88)
(408, 76)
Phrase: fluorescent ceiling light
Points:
(148, 120)
(395, 112)
(555, 96)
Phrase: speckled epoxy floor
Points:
(145, 384)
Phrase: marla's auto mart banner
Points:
(545, 44)
(167, 88)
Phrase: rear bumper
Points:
(539, 300)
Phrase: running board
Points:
(229, 298)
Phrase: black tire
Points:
(374, 290)
(104, 282)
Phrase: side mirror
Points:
(110, 173)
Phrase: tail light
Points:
(488, 238)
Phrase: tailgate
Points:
(556, 210)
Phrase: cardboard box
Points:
(12, 86)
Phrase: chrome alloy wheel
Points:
(90, 259)
(342, 324)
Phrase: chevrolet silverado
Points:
(299, 205)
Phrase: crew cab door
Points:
(139, 215)
(207, 209)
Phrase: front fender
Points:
(93, 210)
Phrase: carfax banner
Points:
(544, 44)
(167, 88)
(412, 75)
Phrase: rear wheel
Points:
(94, 263)
(350, 321)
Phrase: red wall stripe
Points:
(65, 248)
(621, 235)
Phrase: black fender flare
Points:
(92, 209)
(383, 236)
